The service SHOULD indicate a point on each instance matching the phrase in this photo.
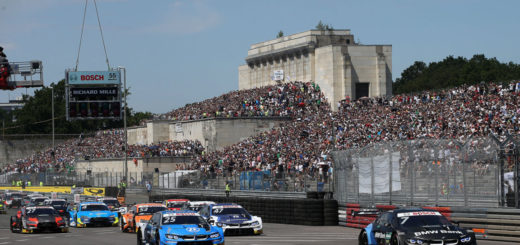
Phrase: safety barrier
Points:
(90, 191)
(500, 224)
(302, 211)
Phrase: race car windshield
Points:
(58, 203)
(195, 208)
(111, 202)
(184, 220)
(237, 211)
(94, 208)
(423, 221)
(175, 205)
(150, 210)
(40, 211)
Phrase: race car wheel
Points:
(157, 239)
(139, 238)
(122, 225)
(394, 240)
(14, 229)
(363, 238)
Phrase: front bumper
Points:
(97, 221)
(241, 229)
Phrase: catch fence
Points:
(441, 172)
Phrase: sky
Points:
(178, 52)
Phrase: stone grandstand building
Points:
(341, 67)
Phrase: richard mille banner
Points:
(94, 92)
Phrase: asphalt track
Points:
(273, 234)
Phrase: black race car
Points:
(60, 205)
(40, 218)
(414, 226)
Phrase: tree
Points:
(324, 27)
(280, 34)
(452, 72)
(35, 116)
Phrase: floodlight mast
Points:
(125, 165)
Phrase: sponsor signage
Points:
(278, 75)
(94, 77)
(93, 92)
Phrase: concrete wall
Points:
(146, 165)
(137, 135)
(215, 134)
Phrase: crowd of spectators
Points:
(303, 145)
(268, 101)
(105, 144)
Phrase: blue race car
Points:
(94, 214)
(233, 218)
(179, 227)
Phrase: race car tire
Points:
(122, 225)
(13, 229)
(157, 240)
(139, 238)
(395, 240)
(363, 238)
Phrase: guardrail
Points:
(500, 224)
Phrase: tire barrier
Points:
(314, 212)
(500, 224)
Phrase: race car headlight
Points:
(84, 218)
(172, 236)
(218, 224)
(256, 223)
(214, 235)
(465, 239)
(415, 241)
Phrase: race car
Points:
(233, 218)
(179, 227)
(60, 205)
(37, 201)
(92, 214)
(138, 216)
(13, 199)
(175, 204)
(196, 206)
(34, 219)
(414, 226)
(112, 203)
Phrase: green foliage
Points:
(36, 115)
(280, 34)
(452, 72)
(324, 27)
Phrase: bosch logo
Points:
(193, 229)
(92, 77)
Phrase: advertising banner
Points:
(94, 77)
(94, 92)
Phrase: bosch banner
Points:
(94, 77)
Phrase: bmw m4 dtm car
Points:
(92, 213)
(414, 226)
(179, 227)
(175, 204)
(233, 218)
(13, 199)
(41, 218)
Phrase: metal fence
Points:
(189, 179)
(429, 172)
